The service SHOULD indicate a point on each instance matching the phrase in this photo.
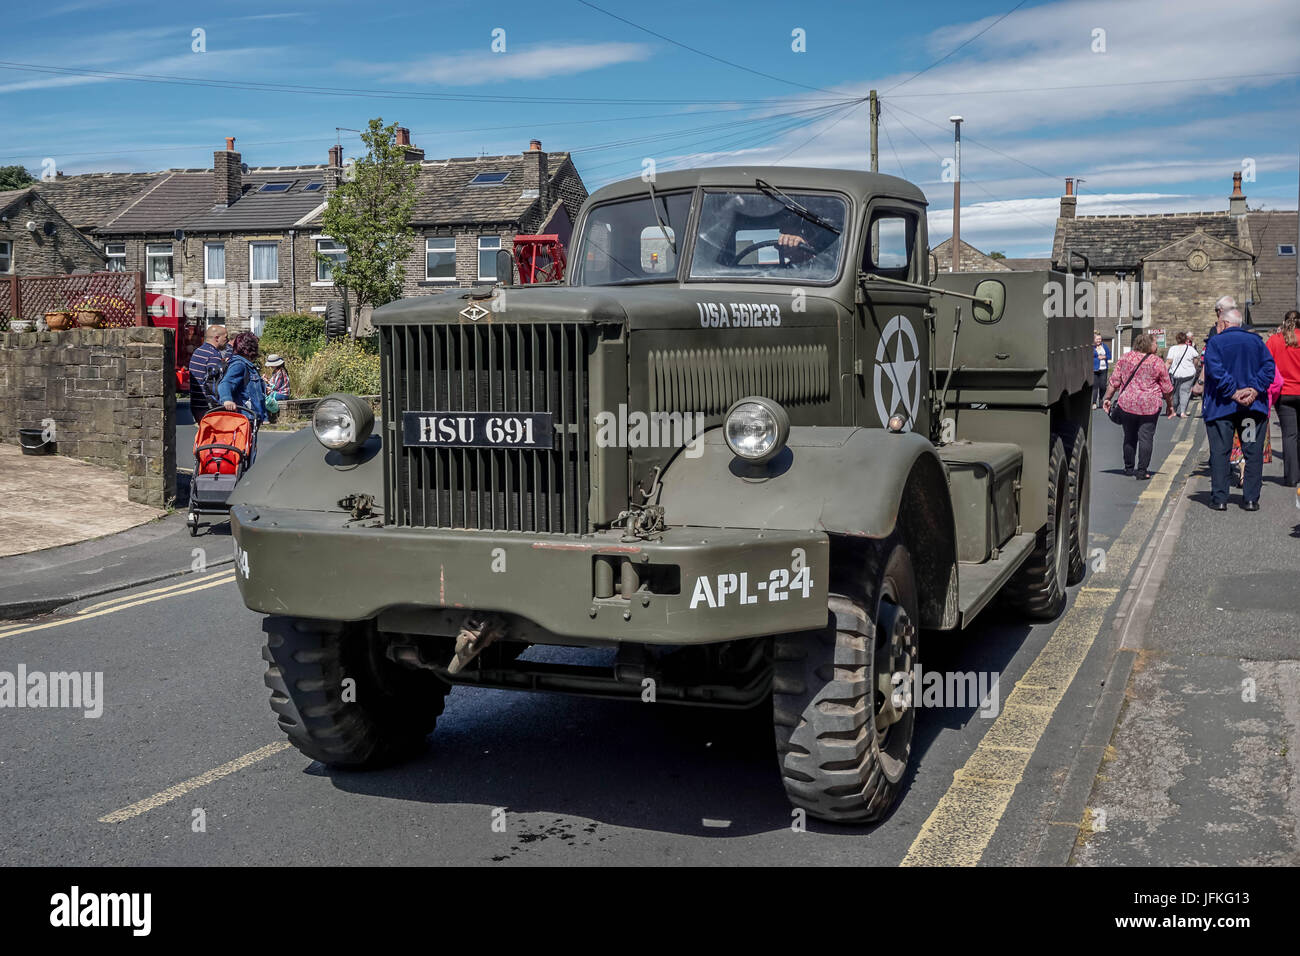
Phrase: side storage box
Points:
(985, 482)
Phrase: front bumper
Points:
(711, 584)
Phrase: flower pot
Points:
(33, 442)
(89, 318)
(20, 325)
(58, 320)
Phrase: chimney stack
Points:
(334, 168)
(227, 174)
(536, 175)
(1237, 201)
(1069, 200)
(412, 154)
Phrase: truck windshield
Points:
(624, 242)
(746, 234)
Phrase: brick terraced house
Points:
(245, 238)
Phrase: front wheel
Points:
(842, 699)
(339, 700)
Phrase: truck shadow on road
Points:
(652, 766)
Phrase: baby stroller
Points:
(223, 445)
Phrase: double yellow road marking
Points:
(962, 824)
(187, 586)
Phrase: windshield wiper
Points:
(654, 208)
(767, 189)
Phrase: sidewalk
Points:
(48, 500)
(1204, 764)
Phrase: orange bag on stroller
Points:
(223, 445)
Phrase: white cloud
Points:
(477, 67)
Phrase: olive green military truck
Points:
(746, 454)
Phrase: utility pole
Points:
(875, 132)
(956, 195)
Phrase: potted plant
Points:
(58, 318)
(88, 317)
(17, 324)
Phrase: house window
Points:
(440, 259)
(158, 259)
(337, 256)
(264, 262)
(214, 262)
(256, 323)
(1286, 249)
(6, 257)
(487, 256)
(275, 188)
(115, 255)
(489, 179)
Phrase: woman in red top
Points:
(1143, 384)
(1284, 346)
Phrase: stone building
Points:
(1171, 267)
(36, 240)
(244, 239)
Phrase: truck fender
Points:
(853, 483)
(299, 472)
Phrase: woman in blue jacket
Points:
(242, 388)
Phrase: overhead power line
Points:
(706, 54)
(956, 48)
(1097, 86)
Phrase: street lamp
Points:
(956, 194)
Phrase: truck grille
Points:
(518, 367)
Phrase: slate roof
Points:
(445, 196)
(10, 197)
(164, 205)
(1275, 285)
(969, 260)
(258, 210)
(88, 201)
(1120, 242)
(1027, 265)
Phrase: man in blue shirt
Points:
(1238, 374)
(207, 356)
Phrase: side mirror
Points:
(505, 267)
(996, 295)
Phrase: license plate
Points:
(478, 430)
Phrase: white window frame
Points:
(150, 255)
(488, 248)
(207, 279)
(263, 242)
(8, 256)
(318, 281)
(444, 240)
(1286, 245)
(112, 259)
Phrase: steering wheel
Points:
(783, 252)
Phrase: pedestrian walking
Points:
(1183, 363)
(1284, 346)
(1140, 385)
(242, 388)
(1100, 368)
(212, 354)
(1239, 371)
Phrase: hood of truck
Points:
(650, 306)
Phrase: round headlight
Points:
(342, 422)
(756, 429)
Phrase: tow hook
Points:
(361, 506)
(475, 634)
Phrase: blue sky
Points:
(1044, 94)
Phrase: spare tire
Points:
(336, 319)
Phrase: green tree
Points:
(997, 255)
(15, 177)
(370, 214)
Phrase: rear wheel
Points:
(1080, 482)
(383, 716)
(1038, 588)
(841, 698)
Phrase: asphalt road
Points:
(186, 735)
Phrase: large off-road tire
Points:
(1038, 588)
(388, 715)
(843, 722)
(336, 320)
(1079, 477)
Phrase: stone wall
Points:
(110, 394)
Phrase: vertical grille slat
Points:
(494, 367)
